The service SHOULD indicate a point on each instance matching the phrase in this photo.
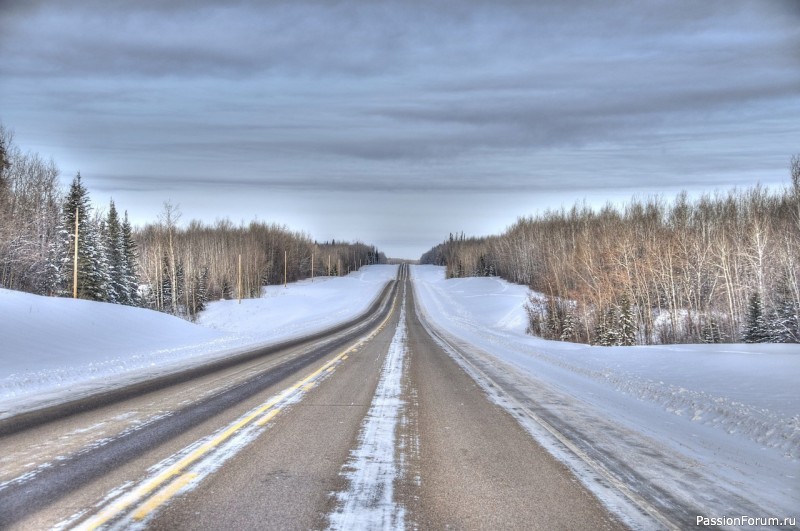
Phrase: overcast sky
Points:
(397, 123)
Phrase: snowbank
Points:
(55, 348)
(301, 308)
(733, 409)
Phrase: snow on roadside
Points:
(301, 308)
(732, 409)
(371, 469)
(54, 349)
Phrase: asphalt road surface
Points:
(370, 427)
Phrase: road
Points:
(373, 427)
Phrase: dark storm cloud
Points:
(408, 96)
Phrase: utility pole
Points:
(329, 265)
(312, 267)
(285, 267)
(240, 278)
(75, 259)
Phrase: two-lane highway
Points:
(60, 462)
(381, 430)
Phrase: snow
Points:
(371, 470)
(55, 349)
(715, 427)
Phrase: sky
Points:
(399, 122)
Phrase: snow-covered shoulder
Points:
(51, 344)
(301, 307)
(733, 408)
(55, 349)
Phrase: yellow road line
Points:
(177, 469)
(168, 492)
(268, 417)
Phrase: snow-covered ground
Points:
(53, 349)
(716, 427)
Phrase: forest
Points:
(722, 267)
(164, 265)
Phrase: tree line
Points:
(724, 267)
(162, 265)
(184, 267)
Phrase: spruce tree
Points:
(130, 272)
(112, 239)
(784, 321)
(627, 324)
(227, 288)
(180, 289)
(756, 330)
(92, 283)
(568, 325)
(201, 290)
(606, 333)
(165, 290)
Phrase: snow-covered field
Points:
(715, 426)
(53, 349)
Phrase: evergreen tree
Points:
(605, 332)
(483, 268)
(103, 266)
(756, 330)
(627, 324)
(568, 325)
(180, 289)
(165, 291)
(92, 283)
(200, 291)
(114, 251)
(784, 321)
(227, 287)
(130, 273)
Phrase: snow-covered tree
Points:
(226, 287)
(606, 333)
(757, 329)
(199, 292)
(711, 332)
(114, 253)
(130, 271)
(165, 292)
(784, 320)
(626, 324)
(92, 282)
(568, 325)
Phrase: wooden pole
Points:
(312, 266)
(75, 259)
(285, 267)
(329, 265)
(240, 278)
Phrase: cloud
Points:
(405, 96)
